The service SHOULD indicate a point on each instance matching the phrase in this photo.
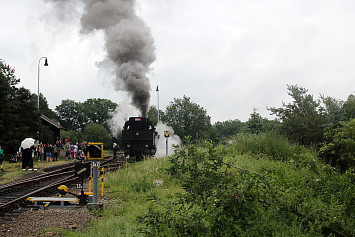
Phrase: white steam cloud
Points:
(172, 140)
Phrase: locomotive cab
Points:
(139, 137)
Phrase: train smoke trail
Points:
(128, 42)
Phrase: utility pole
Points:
(45, 64)
(157, 90)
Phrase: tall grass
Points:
(270, 144)
(130, 188)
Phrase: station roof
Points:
(50, 121)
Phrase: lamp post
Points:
(157, 90)
(45, 64)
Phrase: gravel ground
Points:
(44, 222)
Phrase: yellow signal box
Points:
(95, 151)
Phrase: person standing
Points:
(84, 146)
(57, 142)
(1, 159)
(26, 158)
(67, 151)
(55, 153)
(30, 161)
(76, 154)
(41, 152)
(72, 151)
(51, 151)
(115, 149)
(47, 152)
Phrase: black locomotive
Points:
(139, 137)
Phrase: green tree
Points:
(270, 125)
(69, 113)
(349, 108)
(43, 106)
(19, 117)
(98, 111)
(339, 147)
(187, 118)
(254, 123)
(97, 133)
(153, 114)
(302, 120)
(333, 110)
(75, 115)
(75, 136)
(228, 128)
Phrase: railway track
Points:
(13, 195)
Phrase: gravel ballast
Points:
(44, 222)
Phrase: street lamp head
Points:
(46, 62)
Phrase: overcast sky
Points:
(228, 56)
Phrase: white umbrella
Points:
(27, 143)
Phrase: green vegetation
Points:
(187, 118)
(339, 148)
(129, 189)
(19, 116)
(75, 115)
(302, 119)
(251, 186)
(259, 177)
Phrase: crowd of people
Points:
(50, 152)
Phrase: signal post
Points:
(95, 154)
(166, 134)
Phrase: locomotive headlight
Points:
(128, 145)
(146, 145)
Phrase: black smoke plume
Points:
(128, 42)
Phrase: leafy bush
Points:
(263, 197)
(339, 149)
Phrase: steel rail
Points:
(7, 206)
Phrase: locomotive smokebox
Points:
(139, 137)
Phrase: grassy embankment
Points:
(279, 188)
(252, 186)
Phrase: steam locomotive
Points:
(139, 137)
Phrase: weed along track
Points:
(14, 195)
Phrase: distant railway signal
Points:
(166, 134)
(95, 151)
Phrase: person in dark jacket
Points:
(48, 150)
(27, 160)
